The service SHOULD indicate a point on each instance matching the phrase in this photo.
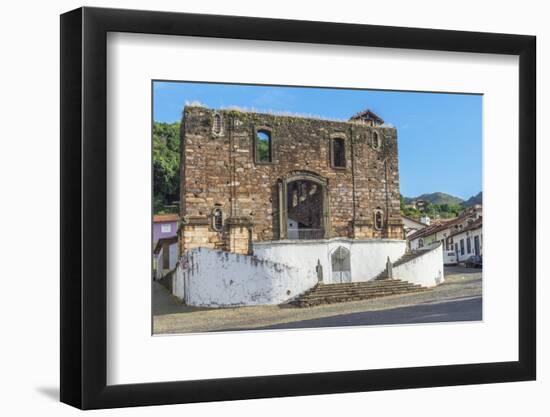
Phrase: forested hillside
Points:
(436, 198)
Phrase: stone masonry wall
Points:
(219, 171)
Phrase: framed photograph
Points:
(257, 208)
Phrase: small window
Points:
(378, 220)
(217, 220)
(165, 228)
(375, 140)
(420, 243)
(469, 245)
(217, 124)
(462, 246)
(263, 146)
(338, 153)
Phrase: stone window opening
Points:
(338, 152)
(420, 243)
(264, 151)
(294, 198)
(303, 191)
(217, 124)
(378, 219)
(376, 140)
(217, 219)
(303, 219)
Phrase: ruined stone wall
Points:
(304, 202)
(219, 170)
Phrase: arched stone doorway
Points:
(303, 207)
(341, 265)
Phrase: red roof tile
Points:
(160, 218)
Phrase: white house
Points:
(468, 241)
(439, 232)
(446, 232)
(411, 225)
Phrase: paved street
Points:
(465, 309)
(459, 298)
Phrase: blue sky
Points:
(439, 135)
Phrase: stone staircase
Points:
(354, 291)
(409, 256)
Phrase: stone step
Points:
(370, 283)
(319, 299)
(355, 291)
(365, 284)
(310, 302)
(367, 289)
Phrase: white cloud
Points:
(195, 103)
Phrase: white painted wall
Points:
(172, 261)
(278, 271)
(465, 235)
(426, 270)
(158, 264)
(207, 277)
(368, 257)
(173, 257)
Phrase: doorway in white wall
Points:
(341, 265)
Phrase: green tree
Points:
(166, 165)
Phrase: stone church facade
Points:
(251, 177)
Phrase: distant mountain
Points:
(476, 199)
(436, 198)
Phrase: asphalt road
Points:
(457, 299)
(464, 309)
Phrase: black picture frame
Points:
(84, 207)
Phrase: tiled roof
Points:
(368, 115)
(428, 230)
(442, 226)
(160, 218)
(437, 227)
(414, 220)
(474, 225)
